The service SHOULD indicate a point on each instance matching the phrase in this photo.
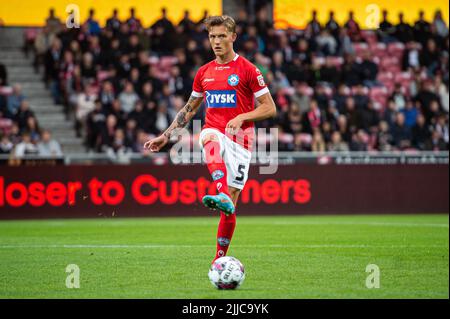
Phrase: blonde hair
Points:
(225, 20)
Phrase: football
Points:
(226, 273)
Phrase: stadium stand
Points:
(338, 88)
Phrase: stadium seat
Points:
(355, 88)
(370, 36)
(102, 75)
(379, 50)
(337, 61)
(396, 49)
(385, 77)
(360, 48)
(379, 95)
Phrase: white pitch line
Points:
(363, 224)
(150, 246)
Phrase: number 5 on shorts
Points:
(241, 169)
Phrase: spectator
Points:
(25, 147)
(345, 43)
(164, 29)
(410, 112)
(313, 27)
(386, 31)
(368, 117)
(422, 29)
(32, 128)
(118, 112)
(41, 45)
(92, 24)
(52, 62)
(187, 24)
(425, 97)
(332, 25)
(48, 146)
(440, 25)
(384, 139)
(360, 97)
(359, 141)
(318, 144)
(262, 23)
(52, 23)
(6, 145)
(430, 57)
(107, 95)
(354, 31)
(441, 126)
(398, 97)
(21, 117)
(119, 143)
(421, 133)
(411, 57)
(403, 31)
(95, 123)
(313, 118)
(15, 100)
(326, 43)
(128, 98)
(85, 105)
(351, 71)
(401, 133)
(343, 128)
(437, 143)
(369, 70)
(336, 144)
(133, 22)
(340, 97)
(108, 133)
(113, 23)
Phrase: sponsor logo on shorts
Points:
(218, 174)
(223, 241)
(233, 80)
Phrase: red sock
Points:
(225, 233)
(216, 166)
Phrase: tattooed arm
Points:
(183, 117)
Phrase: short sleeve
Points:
(197, 88)
(257, 83)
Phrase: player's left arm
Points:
(265, 109)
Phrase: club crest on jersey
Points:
(233, 80)
(217, 99)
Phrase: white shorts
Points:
(237, 158)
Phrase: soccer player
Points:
(228, 85)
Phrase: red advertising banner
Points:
(177, 190)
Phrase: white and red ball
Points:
(226, 273)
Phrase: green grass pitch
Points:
(285, 257)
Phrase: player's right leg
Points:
(227, 224)
(213, 149)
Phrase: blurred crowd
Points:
(337, 87)
(20, 133)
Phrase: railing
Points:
(338, 158)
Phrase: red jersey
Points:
(229, 90)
